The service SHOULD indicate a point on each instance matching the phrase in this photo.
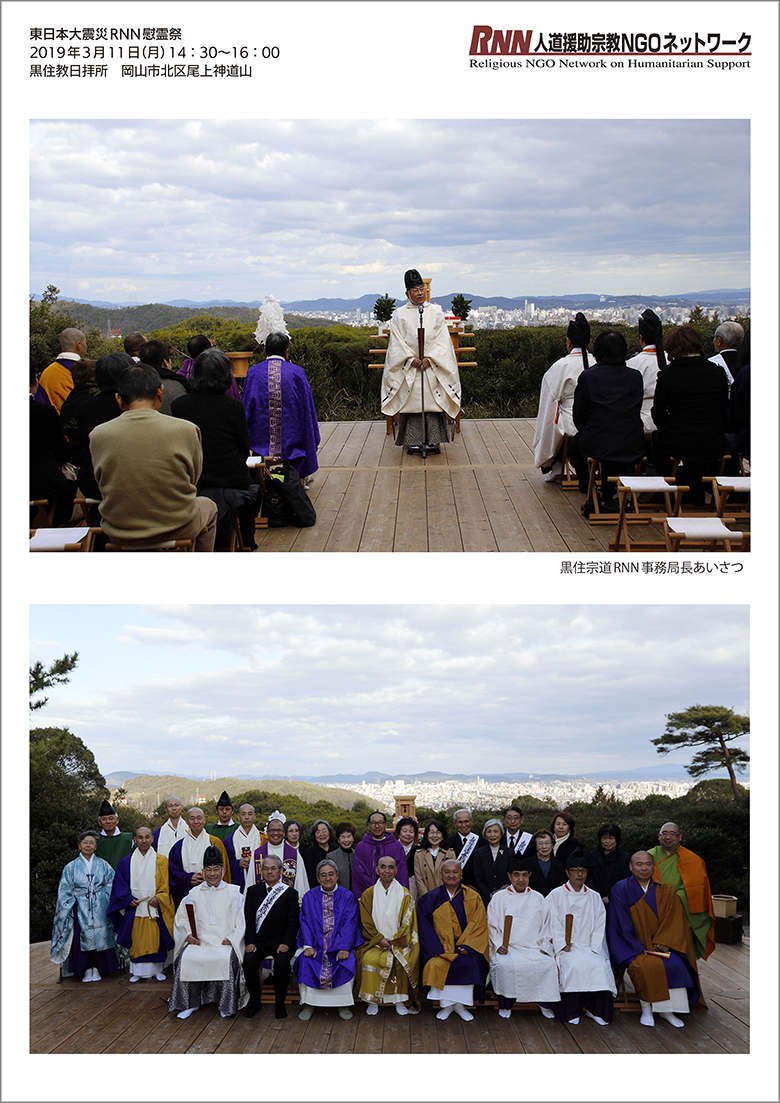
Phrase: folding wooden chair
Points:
(629, 488)
(599, 516)
(722, 486)
(44, 513)
(89, 510)
(65, 540)
(701, 533)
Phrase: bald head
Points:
(70, 339)
(642, 866)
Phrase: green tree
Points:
(384, 308)
(42, 677)
(697, 317)
(711, 727)
(461, 306)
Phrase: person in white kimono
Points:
(241, 845)
(555, 418)
(649, 362)
(584, 970)
(520, 966)
(405, 376)
(207, 961)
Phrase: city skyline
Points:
(482, 689)
(239, 209)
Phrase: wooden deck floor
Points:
(115, 1017)
(482, 494)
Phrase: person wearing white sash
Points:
(464, 842)
(172, 831)
(514, 837)
(520, 966)
(185, 860)
(241, 845)
(271, 916)
(207, 960)
(141, 908)
(584, 971)
(388, 961)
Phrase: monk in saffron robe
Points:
(687, 875)
(454, 941)
(388, 960)
(141, 908)
(649, 935)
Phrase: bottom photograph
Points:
(422, 829)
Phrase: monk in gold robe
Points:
(388, 962)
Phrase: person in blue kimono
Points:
(82, 940)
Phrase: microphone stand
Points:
(421, 353)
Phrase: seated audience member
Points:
(454, 942)
(56, 380)
(240, 847)
(520, 966)
(430, 858)
(555, 419)
(207, 961)
(195, 346)
(691, 409)
(388, 960)
(185, 860)
(514, 837)
(322, 842)
(113, 844)
(465, 843)
(645, 923)
(271, 916)
(49, 451)
(280, 409)
(225, 440)
(584, 972)
(84, 388)
(328, 936)
(686, 872)
(293, 868)
(132, 344)
(547, 873)
(147, 468)
(726, 341)
(607, 864)
(491, 863)
(564, 842)
(174, 828)
(377, 843)
(406, 831)
(225, 824)
(344, 855)
(649, 362)
(739, 404)
(158, 356)
(607, 414)
(141, 908)
(82, 938)
(97, 410)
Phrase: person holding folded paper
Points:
(209, 944)
(520, 966)
(387, 963)
(575, 924)
(141, 908)
(648, 935)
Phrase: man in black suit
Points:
(514, 836)
(271, 912)
(465, 842)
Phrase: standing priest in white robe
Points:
(241, 846)
(649, 362)
(521, 969)
(584, 970)
(555, 418)
(405, 375)
(207, 962)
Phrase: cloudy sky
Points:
(238, 209)
(292, 690)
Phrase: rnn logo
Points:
(484, 40)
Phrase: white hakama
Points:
(525, 973)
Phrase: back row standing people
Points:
(408, 384)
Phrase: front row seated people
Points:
(271, 913)
(328, 936)
(520, 968)
(649, 935)
(209, 944)
(454, 943)
(388, 958)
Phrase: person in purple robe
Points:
(328, 934)
(280, 409)
(377, 843)
(141, 921)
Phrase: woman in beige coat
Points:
(430, 858)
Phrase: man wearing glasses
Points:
(686, 873)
